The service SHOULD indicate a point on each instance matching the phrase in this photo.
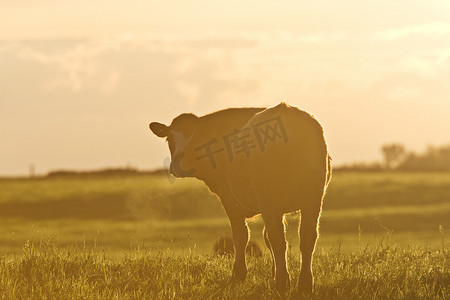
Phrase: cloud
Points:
(199, 71)
(430, 29)
(113, 86)
(190, 92)
(78, 63)
(110, 83)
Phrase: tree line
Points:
(397, 158)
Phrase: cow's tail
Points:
(329, 169)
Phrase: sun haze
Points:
(80, 81)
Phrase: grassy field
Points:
(45, 270)
(383, 236)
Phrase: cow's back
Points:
(287, 168)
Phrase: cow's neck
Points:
(217, 126)
(214, 180)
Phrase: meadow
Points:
(146, 235)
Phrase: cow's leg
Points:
(275, 230)
(240, 240)
(308, 236)
(267, 241)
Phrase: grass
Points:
(383, 236)
(83, 272)
(151, 210)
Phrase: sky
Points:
(81, 80)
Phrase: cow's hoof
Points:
(298, 294)
(238, 277)
(239, 272)
(282, 284)
(305, 285)
(304, 291)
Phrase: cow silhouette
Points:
(267, 161)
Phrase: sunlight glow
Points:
(134, 62)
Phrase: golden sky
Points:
(81, 80)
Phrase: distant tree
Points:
(393, 154)
(433, 159)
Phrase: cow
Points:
(224, 246)
(268, 161)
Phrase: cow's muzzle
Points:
(176, 169)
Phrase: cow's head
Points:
(180, 136)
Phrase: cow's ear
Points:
(159, 129)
